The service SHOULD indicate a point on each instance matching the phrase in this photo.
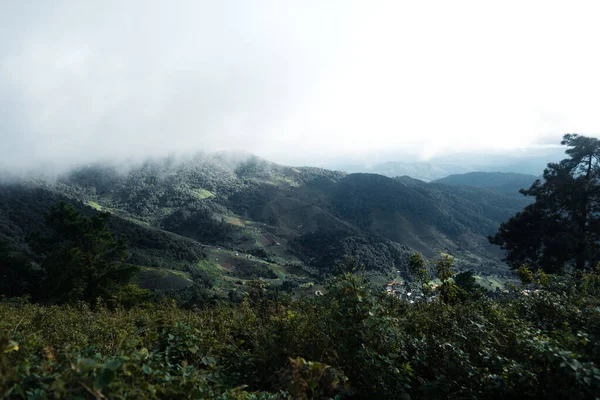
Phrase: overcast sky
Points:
(293, 81)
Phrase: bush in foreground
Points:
(352, 342)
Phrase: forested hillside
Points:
(299, 200)
(425, 171)
(504, 182)
(226, 215)
(214, 278)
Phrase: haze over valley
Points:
(276, 200)
(309, 85)
(300, 220)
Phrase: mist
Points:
(305, 83)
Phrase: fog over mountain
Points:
(532, 160)
(277, 199)
(310, 83)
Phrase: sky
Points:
(297, 82)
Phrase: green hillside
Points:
(275, 222)
(257, 204)
(504, 182)
(250, 280)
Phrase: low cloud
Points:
(303, 83)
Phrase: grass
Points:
(94, 205)
(279, 270)
(219, 265)
(140, 222)
(212, 268)
(234, 221)
(278, 181)
(491, 282)
(202, 194)
(162, 279)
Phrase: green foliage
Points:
(317, 215)
(443, 267)
(525, 274)
(255, 270)
(562, 228)
(130, 295)
(80, 258)
(18, 276)
(198, 222)
(305, 380)
(451, 289)
(370, 200)
(416, 266)
(469, 288)
(259, 252)
(448, 290)
(504, 182)
(193, 296)
(374, 212)
(140, 359)
(22, 210)
(352, 342)
(111, 339)
(348, 264)
(323, 249)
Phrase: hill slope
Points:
(506, 182)
(241, 219)
(425, 171)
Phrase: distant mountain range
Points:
(423, 171)
(243, 219)
(506, 182)
(531, 162)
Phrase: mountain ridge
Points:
(297, 220)
(506, 182)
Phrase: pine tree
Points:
(81, 258)
(562, 228)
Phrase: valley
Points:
(219, 222)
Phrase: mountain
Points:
(230, 220)
(166, 256)
(505, 182)
(528, 161)
(424, 171)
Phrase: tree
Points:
(418, 269)
(468, 285)
(347, 264)
(448, 290)
(81, 258)
(561, 229)
(17, 275)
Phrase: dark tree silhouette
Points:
(17, 274)
(80, 257)
(561, 229)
